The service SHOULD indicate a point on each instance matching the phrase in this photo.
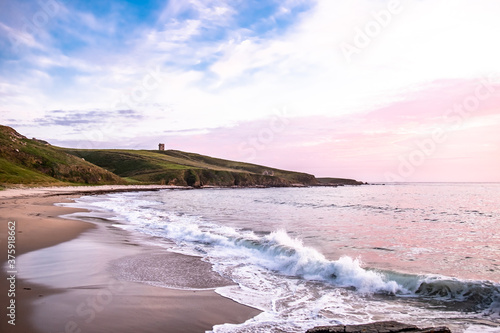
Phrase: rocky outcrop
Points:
(207, 177)
(378, 327)
(337, 182)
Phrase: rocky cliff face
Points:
(193, 177)
(378, 327)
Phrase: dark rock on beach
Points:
(378, 327)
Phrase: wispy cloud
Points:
(221, 68)
(76, 118)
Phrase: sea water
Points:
(427, 254)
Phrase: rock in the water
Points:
(378, 327)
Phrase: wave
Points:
(279, 253)
(282, 254)
(467, 295)
(290, 257)
(285, 255)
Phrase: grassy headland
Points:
(31, 161)
(36, 162)
(180, 168)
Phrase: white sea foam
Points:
(294, 285)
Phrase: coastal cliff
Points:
(36, 162)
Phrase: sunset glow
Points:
(379, 91)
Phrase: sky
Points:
(376, 90)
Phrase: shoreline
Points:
(26, 192)
(60, 304)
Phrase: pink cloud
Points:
(370, 146)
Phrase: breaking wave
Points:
(281, 254)
(296, 285)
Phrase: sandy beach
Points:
(84, 273)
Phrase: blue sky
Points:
(342, 84)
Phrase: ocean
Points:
(426, 253)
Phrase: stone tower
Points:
(161, 146)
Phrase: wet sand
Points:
(78, 276)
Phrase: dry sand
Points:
(79, 291)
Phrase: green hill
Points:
(180, 168)
(36, 162)
(31, 161)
